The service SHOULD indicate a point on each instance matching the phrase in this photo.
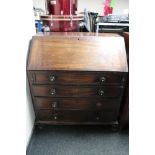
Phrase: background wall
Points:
(39, 4)
(97, 6)
(30, 116)
(16, 112)
(91, 5)
(121, 6)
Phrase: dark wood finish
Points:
(42, 123)
(77, 77)
(54, 77)
(78, 91)
(124, 113)
(76, 116)
(78, 53)
(126, 38)
(77, 104)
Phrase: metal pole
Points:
(46, 7)
(71, 22)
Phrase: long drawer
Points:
(53, 77)
(76, 116)
(77, 91)
(77, 103)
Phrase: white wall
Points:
(39, 4)
(97, 6)
(121, 6)
(30, 116)
(91, 5)
(17, 27)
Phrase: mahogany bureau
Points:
(77, 78)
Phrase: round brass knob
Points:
(55, 117)
(103, 79)
(99, 104)
(123, 79)
(101, 92)
(52, 78)
(122, 87)
(97, 118)
(54, 104)
(52, 91)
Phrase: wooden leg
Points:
(115, 127)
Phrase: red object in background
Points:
(107, 10)
(63, 17)
(56, 7)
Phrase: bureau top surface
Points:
(77, 52)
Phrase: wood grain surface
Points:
(78, 52)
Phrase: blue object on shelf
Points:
(39, 26)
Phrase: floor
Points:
(78, 140)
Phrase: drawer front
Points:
(76, 116)
(78, 104)
(78, 77)
(72, 91)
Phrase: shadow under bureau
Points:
(77, 78)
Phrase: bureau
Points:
(77, 78)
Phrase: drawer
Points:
(73, 91)
(76, 116)
(77, 104)
(50, 77)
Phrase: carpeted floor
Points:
(78, 140)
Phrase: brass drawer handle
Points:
(52, 78)
(102, 79)
(99, 104)
(97, 118)
(54, 105)
(123, 79)
(101, 92)
(52, 91)
(54, 116)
